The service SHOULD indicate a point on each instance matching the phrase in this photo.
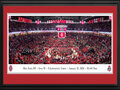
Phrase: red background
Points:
(60, 78)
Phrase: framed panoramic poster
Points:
(60, 44)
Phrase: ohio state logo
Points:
(61, 35)
(10, 68)
(109, 68)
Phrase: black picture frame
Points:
(60, 3)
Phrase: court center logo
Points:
(10, 68)
(109, 68)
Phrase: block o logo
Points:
(10, 68)
(61, 35)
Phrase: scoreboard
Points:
(61, 29)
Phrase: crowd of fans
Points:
(48, 48)
(20, 26)
(101, 26)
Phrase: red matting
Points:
(60, 78)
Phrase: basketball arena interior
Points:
(60, 39)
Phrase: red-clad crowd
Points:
(47, 48)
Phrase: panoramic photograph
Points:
(60, 39)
